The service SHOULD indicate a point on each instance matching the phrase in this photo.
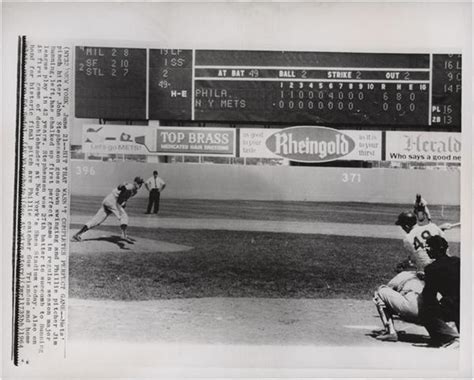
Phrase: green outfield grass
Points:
(238, 264)
(342, 212)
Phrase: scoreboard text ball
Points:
(370, 89)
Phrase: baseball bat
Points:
(448, 226)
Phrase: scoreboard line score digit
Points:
(369, 89)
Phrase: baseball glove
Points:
(124, 196)
(405, 265)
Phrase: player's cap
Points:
(406, 218)
(437, 243)
(138, 180)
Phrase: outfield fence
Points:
(329, 184)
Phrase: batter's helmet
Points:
(138, 180)
(437, 244)
(406, 220)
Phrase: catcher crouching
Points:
(114, 203)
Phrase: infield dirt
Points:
(224, 280)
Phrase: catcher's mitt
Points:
(405, 265)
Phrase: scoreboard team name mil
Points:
(377, 90)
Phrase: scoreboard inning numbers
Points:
(367, 89)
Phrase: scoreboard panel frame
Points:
(177, 81)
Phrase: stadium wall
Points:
(208, 181)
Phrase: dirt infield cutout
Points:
(103, 241)
(300, 227)
(221, 320)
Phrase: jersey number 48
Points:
(421, 244)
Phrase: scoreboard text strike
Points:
(269, 87)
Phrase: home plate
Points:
(103, 241)
(362, 327)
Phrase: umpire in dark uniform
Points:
(441, 276)
(155, 185)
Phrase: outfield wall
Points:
(208, 181)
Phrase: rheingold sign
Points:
(311, 144)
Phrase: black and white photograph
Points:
(239, 189)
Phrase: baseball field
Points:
(239, 272)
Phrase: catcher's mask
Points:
(138, 181)
(436, 246)
(406, 220)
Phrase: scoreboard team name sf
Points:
(270, 86)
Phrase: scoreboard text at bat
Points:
(288, 87)
(301, 87)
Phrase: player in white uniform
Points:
(402, 295)
(421, 205)
(114, 203)
(415, 241)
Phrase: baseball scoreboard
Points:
(328, 88)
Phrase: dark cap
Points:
(437, 243)
(406, 218)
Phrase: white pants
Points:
(108, 207)
(406, 306)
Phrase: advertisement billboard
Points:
(195, 141)
(438, 147)
(117, 139)
(310, 144)
(133, 139)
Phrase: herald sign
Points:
(442, 147)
